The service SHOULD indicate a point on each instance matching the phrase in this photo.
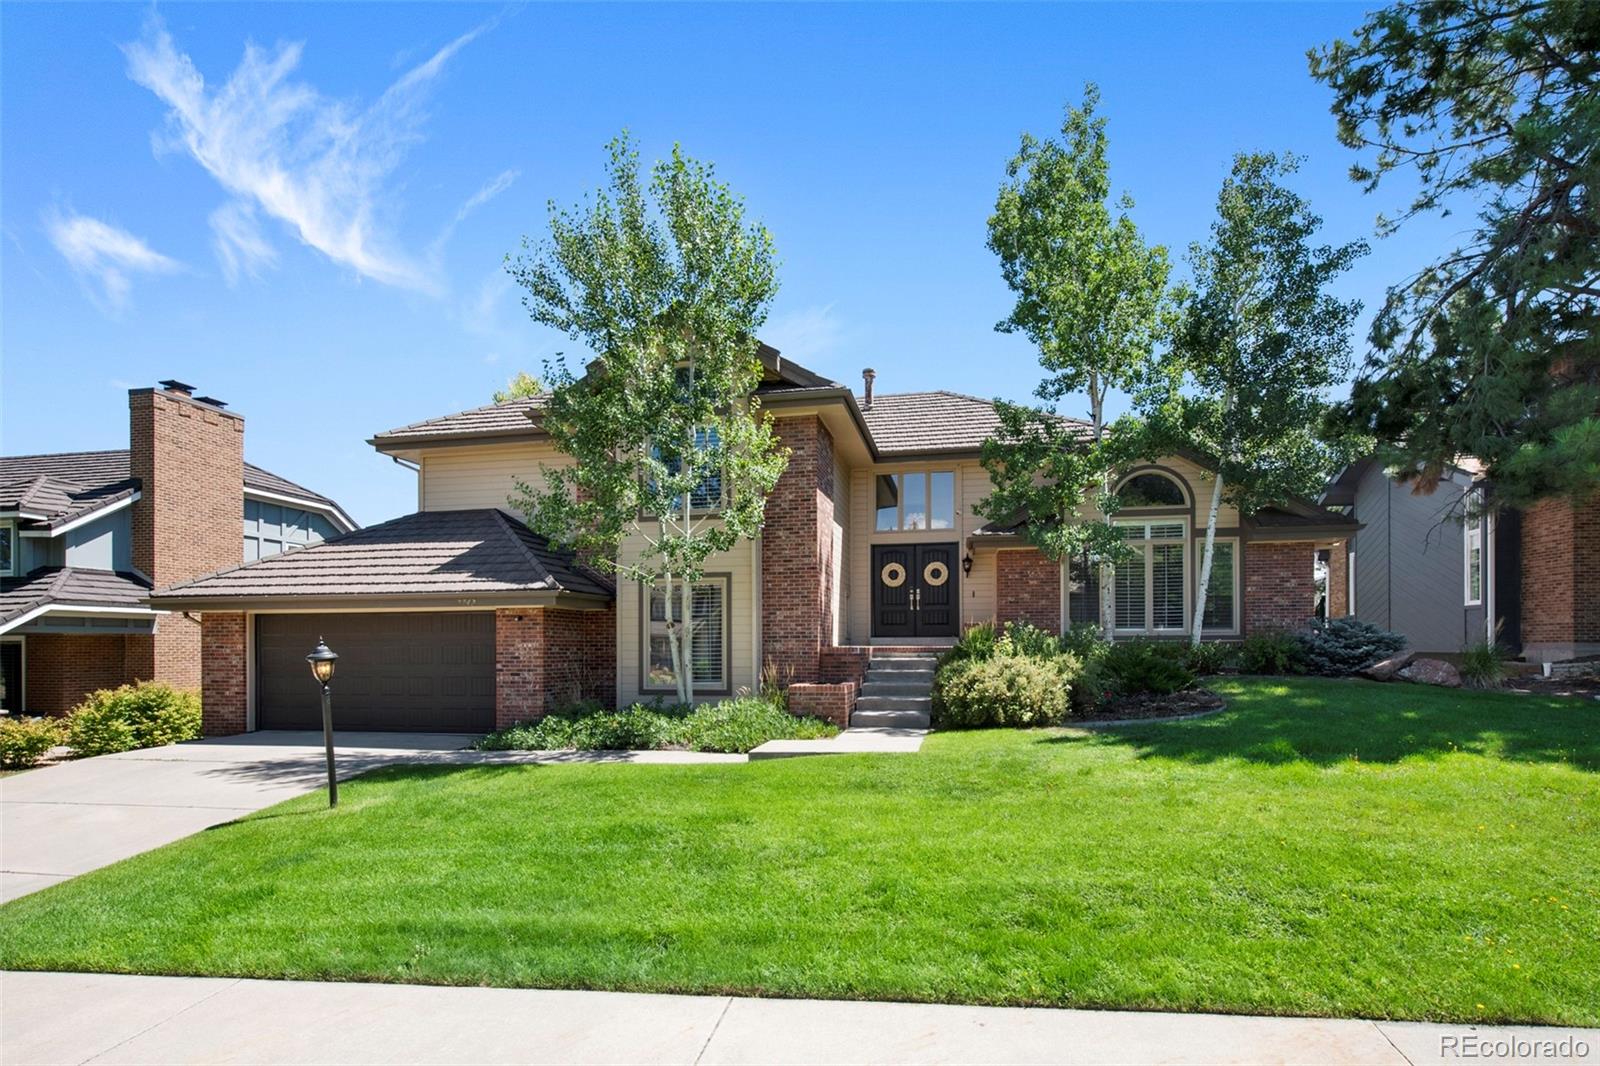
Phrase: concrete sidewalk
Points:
(75, 1018)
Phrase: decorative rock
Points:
(1385, 670)
(1432, 672)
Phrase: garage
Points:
(427, 671)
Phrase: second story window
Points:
(915, 500)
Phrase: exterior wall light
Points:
(966, 564)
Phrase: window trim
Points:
(1472, 536)
(926, 472)
(1157, 508)
(1184, 541)
(726, 689)
(8, 529)
(1350, 582)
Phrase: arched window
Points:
(1151, 490)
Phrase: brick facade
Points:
(546, 657)
(832, 702)
(1280, 587)
(1339, 580)
(63, 668)
(797, 563)
(1561, 574)
(189, 459)
(224, 697)
(1028, 588)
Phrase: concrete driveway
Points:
(60, 821)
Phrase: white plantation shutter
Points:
(1166, 584)
(710, 615)
(1130, 595)
(1150, 590)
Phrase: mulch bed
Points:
(1147, 705)
(1555, 686)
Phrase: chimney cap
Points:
(211, 401)
(174, 385)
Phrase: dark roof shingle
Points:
(445, 553)
(909, 423)
(498, 419)
(68, 587)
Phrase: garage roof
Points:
(448, 558)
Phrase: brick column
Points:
(797, 552)
(546, 657)
(1339, 580)
(1561, 575)
(1028, 588)
(224, 696)
(1280, 586)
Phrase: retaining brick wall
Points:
(1561, 572)
(797, 552)
(545, 657)
(224, 701)
(832, 702)
(1280, 588)
(1027, 588)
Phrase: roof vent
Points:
(868, 376)
(211, 401)
(179, 387)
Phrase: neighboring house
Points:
(85, 536)
(459, 617)
(1431, 567)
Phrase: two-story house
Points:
(86, 536)
(459, 617)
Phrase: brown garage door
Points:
(428, 672)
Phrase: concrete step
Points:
(911, 668)
(888, 719)
(875, 687)
(904, 656)
(920, 704)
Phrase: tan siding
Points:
(738, 563)
(458, 478)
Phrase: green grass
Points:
(1324, 847)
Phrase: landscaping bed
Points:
(735, 725)
(1139, 705)
(1321, 847)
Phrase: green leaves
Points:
(668, 286)
(1491, 350)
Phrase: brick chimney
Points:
(189, 458)
(868, 376)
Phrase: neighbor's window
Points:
(1474, 560)
(8, 548)
(1150, 591)
(708, 638)
(914, 501)
(1151, 490)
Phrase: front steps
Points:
(897, 692)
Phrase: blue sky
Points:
(304, 209)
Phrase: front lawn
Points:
(1323, 847)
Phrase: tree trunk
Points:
(1205, 564)
(1108, 573)
(686, 655)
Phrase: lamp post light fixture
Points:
(322, 659)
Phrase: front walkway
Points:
(72, 1018)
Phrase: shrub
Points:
(1269, 651)
(1211, 657)
(738, 725)
(146, 715)
(1339, 646)
(732, 725)
(1004, 690)
(1083, 640)
(1481, 666)
(1139, 666)
(1092, 687)
(978, 642)
(1025, 638)
(24, 741)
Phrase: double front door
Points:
(914, 590)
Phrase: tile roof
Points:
(69, 485)
(909, 423)
(68, 587)
(497, 419)
(444, 553)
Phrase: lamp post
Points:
(322, 659)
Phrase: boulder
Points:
(1387, 668)
(1432, 672)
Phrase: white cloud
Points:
(808, 335)
(491, 188)
(241, 246)
(103, 253)
(281, 147)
